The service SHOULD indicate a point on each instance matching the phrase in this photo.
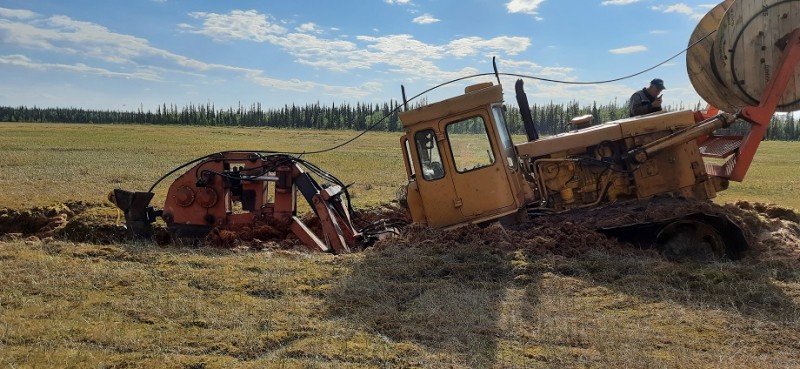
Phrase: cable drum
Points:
(747, 50)
(699, 65)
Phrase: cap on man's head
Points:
(658, 83)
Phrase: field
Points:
(469, 298)
(45, 163)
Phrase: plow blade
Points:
(138, 214)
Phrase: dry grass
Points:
(77, 305)
(45, 163)
(774, 177)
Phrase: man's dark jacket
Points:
(642, 103)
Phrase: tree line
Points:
(549, 118)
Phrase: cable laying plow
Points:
(463, 167)
(236, 188)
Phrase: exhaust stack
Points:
(525, 111)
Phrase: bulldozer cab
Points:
(461, 164)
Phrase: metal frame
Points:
(760, 116)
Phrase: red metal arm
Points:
(760, 116)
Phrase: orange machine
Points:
(235, 188)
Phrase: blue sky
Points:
(123, 54)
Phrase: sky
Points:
(131, 54)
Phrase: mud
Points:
(258, 236)
(773, 232)
(73, 221)
(279, 236)
(99, 224)
(38, 220)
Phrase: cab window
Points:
(505, 137)
(469, 143)
(409, 160)
(430, 159)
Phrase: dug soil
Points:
(772, 232)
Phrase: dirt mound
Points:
(257, 236)
(757, 221)
(100, 224)
(73, 221)
(776, 230)
(771, 231)
(103, 223)
(35, 220)
(545, 237)
(279, 236)
(391, 210)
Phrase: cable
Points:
(510, 75)
(614, 79)
(184, 165)
(395, 110)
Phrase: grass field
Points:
(449, 304)
(45, 163)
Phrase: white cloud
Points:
(17, 13)
(619, 2)
(425, 19)
(469, 46)
(289, 85)
(397, 50)
(556, 71)
(402, 53)
(398, 2)
(518, 66)
(25, 62)
(238, 24)
(65, 36)
(629, 49)
(318, 52)
(681, 8)
(103, 52)
(658, 32)
(546, 91)
(676, 8)
(355, 92)
(309, 28)
(407, 56)
(524, 6)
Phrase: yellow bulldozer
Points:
(457, 178)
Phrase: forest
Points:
(550, 118)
